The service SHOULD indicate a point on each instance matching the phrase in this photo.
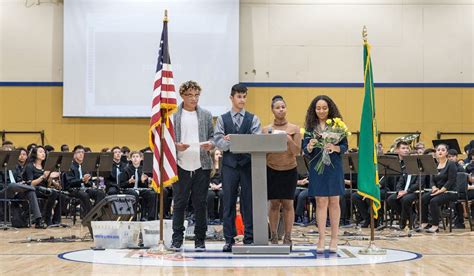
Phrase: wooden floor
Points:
(443, 254)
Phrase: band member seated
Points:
(401, 201)
(215, 188)
(134, 182)
(118, 166)
(387, 183)
(17, 189)
(36, 176)
(442, 186)
(80, 184)
(453, 156)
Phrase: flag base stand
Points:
(372, 249)
(160, 250)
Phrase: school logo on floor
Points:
(301, 256)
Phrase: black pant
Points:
(211, 204)
(28, 193)
(345, 204)
(363, 205)
(195, 185)
(301, 195)
(434, 204)
(47, 211)
(232, 178)
(402, 206)
(85, 196)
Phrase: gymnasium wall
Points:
(416, 42)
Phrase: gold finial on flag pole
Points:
(166, 16)
(364, 34)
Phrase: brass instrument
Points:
(411, 139)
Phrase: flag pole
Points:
(372, 249)
(162, 249)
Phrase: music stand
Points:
(97, 164)
(148, 163)
(388, 165)
(8, 161)
(54, 162)
(420, 165)
(350, 165)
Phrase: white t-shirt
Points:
(190, 159)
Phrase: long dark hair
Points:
(312, 119)
(34, 155)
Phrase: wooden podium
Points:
(258, 145)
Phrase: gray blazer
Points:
(206, 132)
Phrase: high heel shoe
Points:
(332, 249)
(320, 249)
(287, 241)
(274, 238)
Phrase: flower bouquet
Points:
(336, 131)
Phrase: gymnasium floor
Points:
(439, 254)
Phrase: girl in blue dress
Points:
(328, 186)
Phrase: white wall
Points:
(31, 41)
(292, 40)
(320, 41)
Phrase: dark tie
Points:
(237, 121)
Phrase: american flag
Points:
(163, 106)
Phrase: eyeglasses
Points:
(196, 96)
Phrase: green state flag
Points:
(368, 177)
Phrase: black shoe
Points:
(459, 226)
(227, 247)
(199, 245)
(40, 225)
(365, 224)
(176, 245)
(248, 241)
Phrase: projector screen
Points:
(111, 48)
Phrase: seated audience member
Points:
(79, 183)
(401, 202)
(133, 181)
(64, 148)
(30, 147)
(48, 148)
(301, 197)
(470, 162)
(420, 148)
(125, 154)
(118, 166)
(17, 189)
(215, 187)
(441, 184)
(35, 175)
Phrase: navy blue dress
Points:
(331, 181)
